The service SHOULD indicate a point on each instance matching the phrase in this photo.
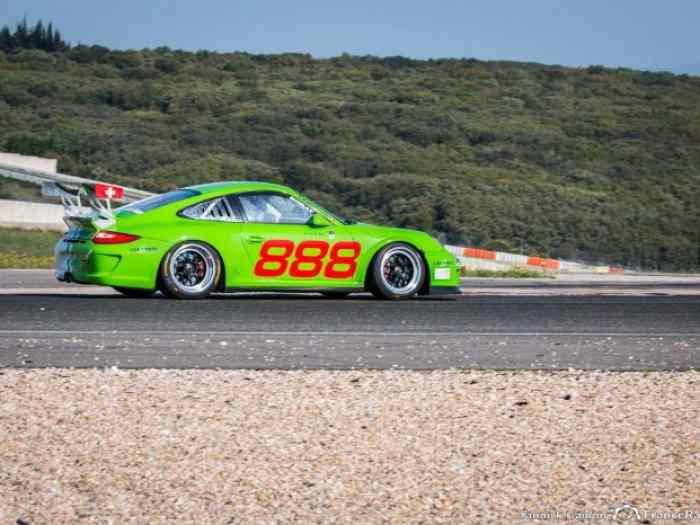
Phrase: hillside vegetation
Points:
(593, 164)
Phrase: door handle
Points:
(254, 239)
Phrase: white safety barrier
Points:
(511, 259)
(28, 162)
(479, 259)
(31, 215)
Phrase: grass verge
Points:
(512, 273)
(27, 248)
(18, 260)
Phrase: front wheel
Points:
(398, 272)
(134, 292)
(190, 270)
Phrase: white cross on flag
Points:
(109, 191)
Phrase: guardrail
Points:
(479, 259)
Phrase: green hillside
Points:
(593, 164)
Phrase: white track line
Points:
(62, 291)
(162, 333)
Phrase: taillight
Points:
(108, 237)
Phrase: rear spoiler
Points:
(80, 204)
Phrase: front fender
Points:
(375, 238)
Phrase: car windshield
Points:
(158, 201)
(317, 206)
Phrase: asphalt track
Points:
(43, 323)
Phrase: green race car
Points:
(235, 236)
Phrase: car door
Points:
(285, 249)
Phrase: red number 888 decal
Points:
(311, 255)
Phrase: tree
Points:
(58, 43)
(22, 34)
(49, 43)
(37, 37)
(45, 38)
(7, 41)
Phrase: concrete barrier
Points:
(31, 215)
(28, 162)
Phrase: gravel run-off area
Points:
(208, 447)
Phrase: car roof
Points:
(239, 186)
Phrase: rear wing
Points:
(81, 198)
(79, 204)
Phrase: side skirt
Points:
(295, 290)
(445, 290)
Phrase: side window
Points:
(273, 208)
(212, 210)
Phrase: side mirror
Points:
(318, 221)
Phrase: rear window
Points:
(217, 209)
(158, 201)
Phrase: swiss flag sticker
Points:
(109, 191)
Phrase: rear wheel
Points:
(134, 292)
(190, 270)
(398, 272)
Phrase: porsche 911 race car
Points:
(236, 236)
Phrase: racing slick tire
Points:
(398, 272)
(190, 270)
(335, 294)
(134, 292)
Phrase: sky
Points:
(644, 34)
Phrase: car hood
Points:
(421, 239)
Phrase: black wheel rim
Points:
(192, 267)
(401, 270)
